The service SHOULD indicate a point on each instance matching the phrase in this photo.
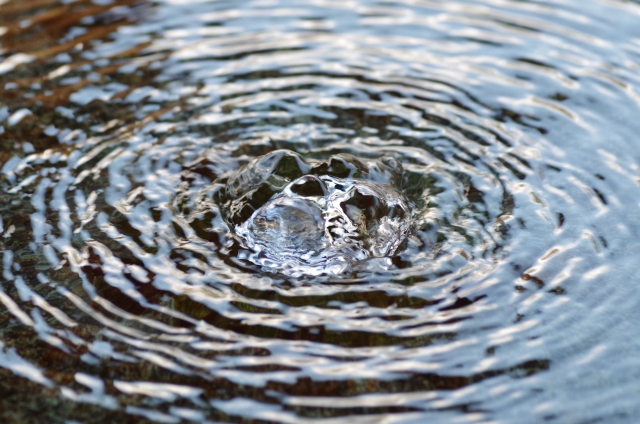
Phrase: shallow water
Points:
(135, 289)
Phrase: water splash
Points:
(130, 290)
(318, 223)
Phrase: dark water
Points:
(476, 263)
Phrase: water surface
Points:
(503, 288)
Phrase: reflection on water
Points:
(448, 232)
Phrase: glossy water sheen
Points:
(451, 235)
(336, 215)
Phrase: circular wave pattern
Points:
(293, 211)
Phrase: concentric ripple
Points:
(293, 211)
